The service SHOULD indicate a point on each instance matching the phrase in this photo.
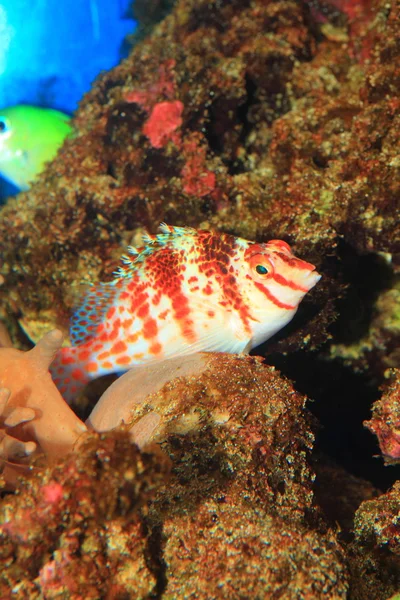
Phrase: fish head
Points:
(276, 282)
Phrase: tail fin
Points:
(68, 373)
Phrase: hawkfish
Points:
(184, 291)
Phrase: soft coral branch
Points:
(33, 415)
(35, 420)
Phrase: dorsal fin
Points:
(91, 312)
(152, 243)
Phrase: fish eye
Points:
(261, 270)
(4, 125)
(261, 267)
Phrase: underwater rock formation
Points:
(385, 422)
(376, 548)
(66, 530)
(236, 513)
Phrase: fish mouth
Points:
(312, 278)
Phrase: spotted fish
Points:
(185, 291)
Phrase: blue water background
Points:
(52, 50)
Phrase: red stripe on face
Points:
(272, 298)
(287, 283)
(296, 263)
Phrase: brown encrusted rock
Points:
(370, 339)
(237, 518)
(375, 553)
(385, 422)
(376, 521)
(241, 419)
(228, 550)
(75, 530)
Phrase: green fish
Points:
(29, 137)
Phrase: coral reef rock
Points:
(385, 422)
(237, 518)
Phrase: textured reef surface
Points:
(268, 120)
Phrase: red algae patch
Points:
(164, 120)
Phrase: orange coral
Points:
(34, 417)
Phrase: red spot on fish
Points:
(156, 299)
(112, 336)
(111, 312)
(78, 374)
(143, 311)
(150, 329)
(155, 348)
(83, 355)
(67, 360)
(127, 323)
(92, 367)
(118, 348)
(123, 360)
